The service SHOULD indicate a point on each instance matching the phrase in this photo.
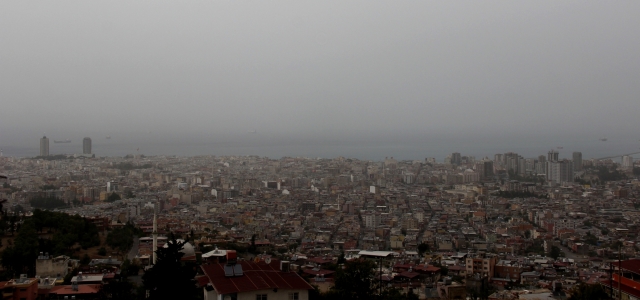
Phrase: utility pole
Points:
(611, 280)
(619, 272)
(380, 288)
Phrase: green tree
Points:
(605, 174)
(120, 289)
(423, 248)
(21, 256)
(113, 197)
(47, 203)
(616, 245)
(128, 194)
(12, 223)
(356, 281)
(169, 279)
(341, 258)
(591, 239)
(48, 187)
(588, 292)
(252, 247)
(85, 260)
(129, 269)
(554, 252)
(517, 194)
(398, 294)
(121, 238)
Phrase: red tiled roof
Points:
(320, 260)
(385, 278)
(560, 264)
(82, 289)
(426, 268)
(400, 265)
(257, 276)
(202, 281)
(408, 274)
(318, 272)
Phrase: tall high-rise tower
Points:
(86, 145)
(456, 158)
(560, 171)
(627, 162)
(44, 146)
(577, 161)
(552, 156)
(512, 162)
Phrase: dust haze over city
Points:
(327, 79)
(327, 150)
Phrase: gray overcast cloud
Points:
(329, 71)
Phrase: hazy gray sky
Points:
(326, 70)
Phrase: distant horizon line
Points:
(94, 155)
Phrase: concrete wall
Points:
(271, 295)
(51, 267)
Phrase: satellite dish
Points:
(267, 260)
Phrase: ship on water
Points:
(62, 142)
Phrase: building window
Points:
(261, 297)
(294, 296)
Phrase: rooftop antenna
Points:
(155, 231)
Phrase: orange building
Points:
(19, 289)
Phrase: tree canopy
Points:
(21, 256)
(67, 230)
(113, 197)
(588, 292)
(47, 203)
(121, 238)
(604, 174)
(126, 166)
(423, 248)
(168, 278)
(555, 252)
(356, 281)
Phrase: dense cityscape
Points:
(319, 150)
(250, 227)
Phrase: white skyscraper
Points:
(627, 162)
(112, 186)
(560, 171)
